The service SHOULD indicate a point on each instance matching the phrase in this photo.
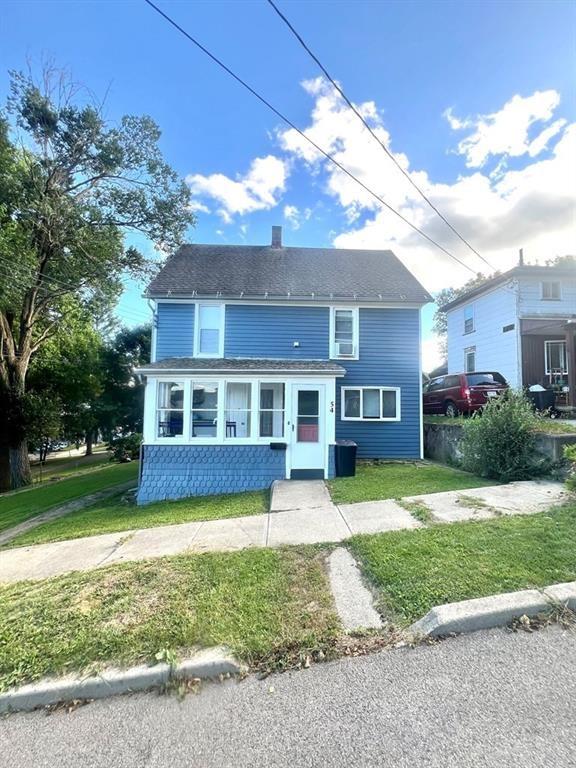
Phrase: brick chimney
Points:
(276, 237)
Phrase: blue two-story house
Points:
(264, 356)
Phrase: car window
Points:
(451, 381)
(477, 379)
(436, 384)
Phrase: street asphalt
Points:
(493, 698)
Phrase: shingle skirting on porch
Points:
(178, 471)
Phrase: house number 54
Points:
(332, 406)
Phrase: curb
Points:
(494, 611)
(206, 664)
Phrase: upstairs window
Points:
(370, 404)
(344, 333)
(551, 290)
(469, 318)
(170, 409)
(209, 330)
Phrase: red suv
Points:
(462, 392)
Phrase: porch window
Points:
(209, 330)
(370, 404)
(551, 290)
(272, 409)
(469, 318)
(204, 409)
(470, 359)
(170, 409)
(344, 333)
(556, 358)
(238, 409)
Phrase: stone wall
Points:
(442, 443)
(178, 471)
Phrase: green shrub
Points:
(126, 448)
(501, 443)
(570, 453)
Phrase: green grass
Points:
(394, 480)
(269, 606)
(64, 466)
(416, 570)
(16, 507)
(113, 514)
(548, 426)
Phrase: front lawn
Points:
(17, 507)
(64, 466)
(416, 570)
(393, 480)
(266, 605)
(116, 514)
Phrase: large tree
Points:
(71, 186)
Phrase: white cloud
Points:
(506, 132)
(259, 189)
(294, 216)
(197, 207)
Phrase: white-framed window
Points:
(238, 412)
(469, 324)
(170, 409)
(209, 330)
(551, 290)
(470, 359)
(556, 357)
(204, 410)
(344, 332)
(370, 404)
(272, 406)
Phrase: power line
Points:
(374, 134)
(319, 149)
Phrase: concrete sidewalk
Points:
(316, 519)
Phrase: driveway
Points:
(492, 700)
(306, 516)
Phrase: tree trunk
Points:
(4, 466)
(89, 443)
(20, 473)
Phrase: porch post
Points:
(571, 364)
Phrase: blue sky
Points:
(476, 99)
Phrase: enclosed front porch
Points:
(548, 350)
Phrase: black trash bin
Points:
(346, 458)
(542, 400)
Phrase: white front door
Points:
(307, 447)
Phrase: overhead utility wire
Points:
(373, 133)
(304, 136)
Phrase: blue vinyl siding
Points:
(389, 357)
(174, 330)
(270, 331)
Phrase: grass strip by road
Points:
(416, 570)
(268, 606)
(393, 480)
(542, 424)
(117, 514)
(17, 507)
(65, 466)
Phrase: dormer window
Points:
(209, 335)
(344, 333)
(551, 290)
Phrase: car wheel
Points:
(450, 409)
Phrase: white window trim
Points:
(343, 416)
(469, 306)
(549, 298)
(221, 329)
(355, 333)
(469, 351)
(547, 357)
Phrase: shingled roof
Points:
(255, 271)
(241, 365)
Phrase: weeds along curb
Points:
(207, 664)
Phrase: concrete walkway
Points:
(316, 520)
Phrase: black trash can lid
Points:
(347, 442)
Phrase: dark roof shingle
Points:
(240, 271)
(244, 365)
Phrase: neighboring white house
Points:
(522, 324)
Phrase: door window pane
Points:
(388, 404)
(170, 409)
(238, 405)
(352, 403)
(371, 404)
(209, 330)
(204, 409)
(272, 410)
(308, 416)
